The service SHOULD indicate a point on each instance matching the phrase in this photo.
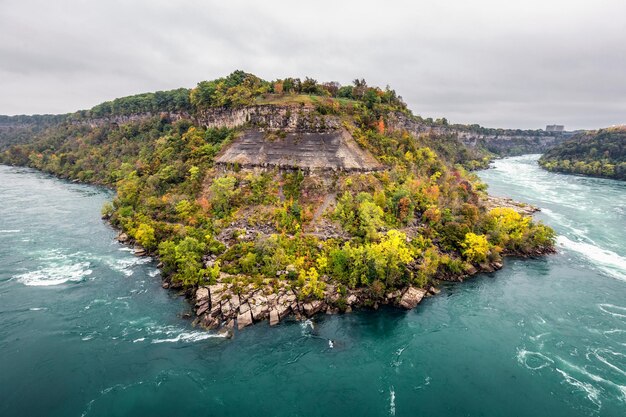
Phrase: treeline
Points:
(161, 101)
(241, 89)
(488, 131)
(598, 154)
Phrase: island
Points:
(265, 199)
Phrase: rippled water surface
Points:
(85, 328)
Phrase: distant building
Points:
(555, 128)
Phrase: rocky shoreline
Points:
(231, 303)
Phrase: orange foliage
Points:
(432, 192)
(380, 126)
(204, 204)
(403, 208)
(433, 215)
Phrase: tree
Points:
(145, 236)
(222, 190)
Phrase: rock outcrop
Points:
(292, 118)
(412, 297)
(334, 150)
(231, 304)
(499, 141)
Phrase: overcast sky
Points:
(499, 63)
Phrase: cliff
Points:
(502, 142)
(291, 118)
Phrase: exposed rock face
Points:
(499, 141)
(244, 319)
(274, 317)
(521, 208)
(228, 305)
(299, 118)
(270, 117)
(412, 297)
(138, 117)
(334, 150)
(139, 251)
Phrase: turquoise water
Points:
(86, 330)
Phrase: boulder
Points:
(351, 299)
(412, 297)
(394, 294)
(332, 310)
(215, 292)
(283, 310)
(216, 310)
(122, 238)
(210, 322)
(202, 294)
(235, 302)
(471, 270)
(202, 309)
(226, 308)
(313, 307)
(244, 307)
(244, 319)
(274, 317)
(259, 312)
(289, 298)
(434, 291)
(139, 251)
(485, 267)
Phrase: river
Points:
(86, 330)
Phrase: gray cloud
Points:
(500, 64)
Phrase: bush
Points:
(475, 247)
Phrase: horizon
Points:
(512, 66)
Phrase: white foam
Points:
(306, 326)
(37, 308)
(126, 265)
(392, 402)
(526, 356)
(10, 231)
(154, 273)
(595, 378)
(330, 344)
(55, 274)
(593, 393)
(539, 336)
(608, 261)
(606, 308)
(189, 337)
(601, 355)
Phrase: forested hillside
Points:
(598, 154)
